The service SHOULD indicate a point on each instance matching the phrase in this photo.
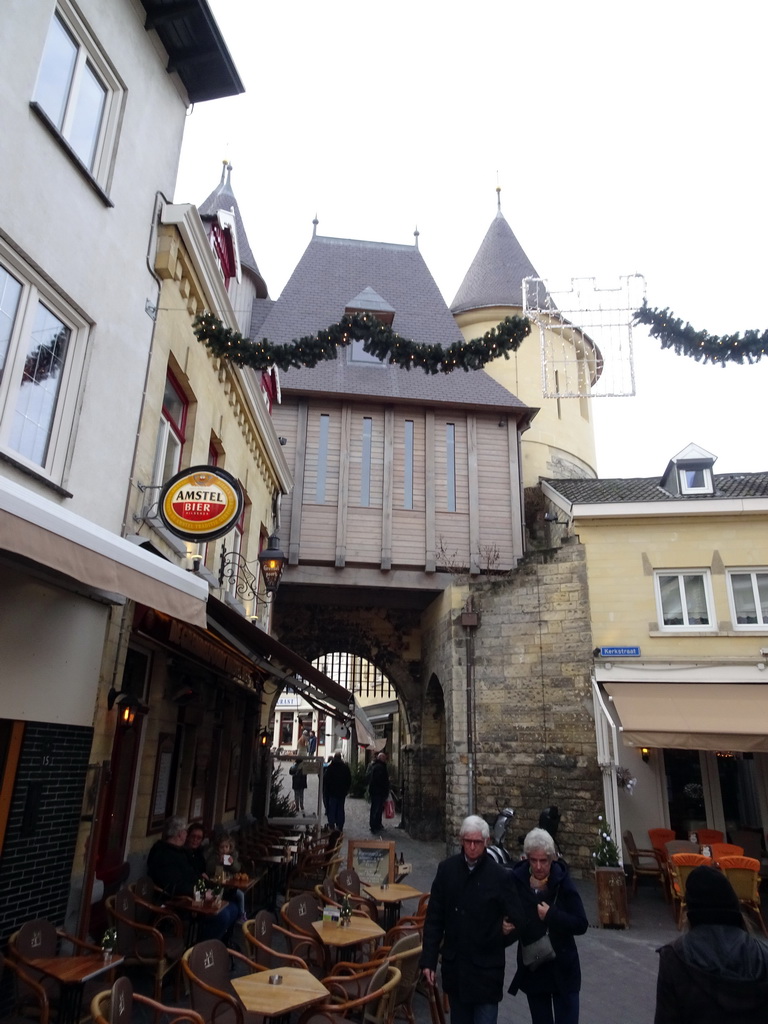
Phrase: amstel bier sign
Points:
(201, 503)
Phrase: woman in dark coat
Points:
(717, 973)
(551, 904)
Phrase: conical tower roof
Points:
(496, 274)
(223, 198)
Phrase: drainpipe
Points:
(470, 620)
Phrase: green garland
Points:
(378, 340)
(703, 347)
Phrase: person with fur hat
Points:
(717, 972)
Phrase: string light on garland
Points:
(700, 345)
(378, 340)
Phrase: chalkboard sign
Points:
(372, 859)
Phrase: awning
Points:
(318, 689)
(703, 716)
(45, 533)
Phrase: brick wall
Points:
(40, 840)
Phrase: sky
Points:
(626, 138)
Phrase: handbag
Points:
(538, 952)
(389, 807)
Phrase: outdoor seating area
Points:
(290, 956)
(669, 860)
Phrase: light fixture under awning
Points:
(705, 716)
(36, 529)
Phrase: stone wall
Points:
(534, 736)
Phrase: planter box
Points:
(612, 909)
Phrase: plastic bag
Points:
(389, 807)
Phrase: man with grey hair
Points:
(472, 911)
(172, 869)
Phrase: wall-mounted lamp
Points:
(645, 754)
(550, 517)
(234, 567)
(264, 739)
(127, 706)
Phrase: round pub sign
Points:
(201, 503)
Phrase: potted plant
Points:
(109, 942)
(610, 880)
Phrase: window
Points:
(749, 598)
(684, 599)
(42, 345)
(357, 354)
(695, 479)
(79, 92)
(322, 458)
(408, 465)
(170, 435)
(450, 466)
(365, 463)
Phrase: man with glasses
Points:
(473, 911)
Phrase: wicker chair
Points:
(708, 836)
(145, 945)
(261, 934)
(206, 967)
(35, 996)
(680, 866)
(744, 875)
(374, 1007)
(40, 938)
(725, 850)
(115, 1006)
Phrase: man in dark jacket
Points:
(337, 780)
(717, 973)
(378, 788)
(472, 911)
(171, 868)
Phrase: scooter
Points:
(549, 820)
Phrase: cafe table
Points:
(392, 895)
(297, 989)
(336, 937)
(72, 972)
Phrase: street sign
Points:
(619, 652)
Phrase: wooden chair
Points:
(331, 892)
(744, 875)
(316, 863)
(35, 996)
(404, 955)
(261, 935)
(206, 967)
(374, 1007)
(725, 850)
(41, 938)
(297, 915)
(708, 836)
(645, 864)
(146, 945)
(115, 1006)
(680, 866)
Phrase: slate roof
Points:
(223, 198)
(496, 274)
(330, 274)
(646, 489)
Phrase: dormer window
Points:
(690, 472)
(368, 301)
(695, 479)
(224, 245)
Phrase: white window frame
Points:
(35, 291)
(762, 624)
(686, 626)
(89, 53)
(169, 433)
(686, 488)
